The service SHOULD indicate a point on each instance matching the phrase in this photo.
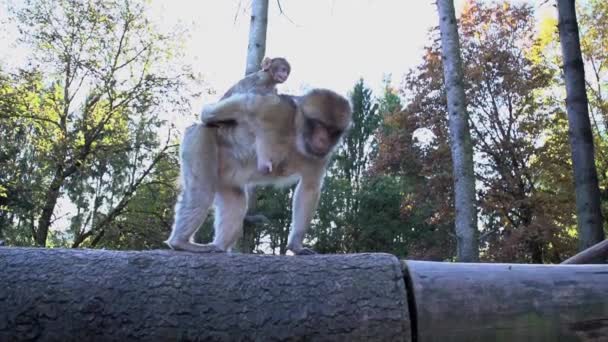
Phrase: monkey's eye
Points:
(280, 69)
(313, 123)
(333, 132)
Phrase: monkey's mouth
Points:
(315, 152)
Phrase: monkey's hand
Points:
(304, 251)
(264, 166)
(220, 123)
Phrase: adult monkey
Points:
(217, 163)
(264, 82)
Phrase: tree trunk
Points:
(588, 212)
(256, 49)
(460, 136)
(596, 253)
(97, 295)
(247, 242)
(508, 302)
(257, 35)
(52, 194)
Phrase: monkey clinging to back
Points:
(274, 71)
(264, 82)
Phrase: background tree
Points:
(146, 219)
(508, 98)
(593, 25)
(510, 113)
(256, 50)
(93, 114)
(413, 151)
(22, 165)
(556, 170)
(588, 210)
(338, 227)
(460, 137)
(276, 205)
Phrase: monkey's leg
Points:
(237, 107)
(199, 177)
(231, 208)
(231, 108)
(305, 200)
(189, 216)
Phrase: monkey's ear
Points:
(266, 62)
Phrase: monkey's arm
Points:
(230, 92)
(305, 201)
(238, 107)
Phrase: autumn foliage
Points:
(524, 178)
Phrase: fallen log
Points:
(96, 295)
(508, 302)
(595, 253)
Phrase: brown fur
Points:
(311, 126)
(262, 82)
(273, 71)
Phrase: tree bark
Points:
(471, 302)
(596, 253)
(52, 195)
(588, 212)
(97, 295)
(256, 49)
(257, 35)
(460, 136)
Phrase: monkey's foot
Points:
(194, 247)
(304, 251)
(265, 167)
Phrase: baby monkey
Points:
(274, 71)
(264, 82)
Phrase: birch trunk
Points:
(255, 53)
(460, 136)
(257, 35)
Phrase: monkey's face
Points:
(280, 72)
(278, 67)
(325, 117)
(319, 138)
